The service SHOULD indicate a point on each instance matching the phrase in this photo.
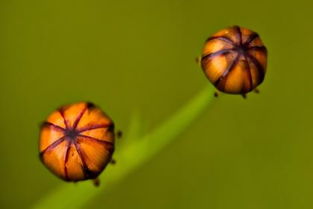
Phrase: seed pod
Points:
(77, 142)
(234, 60)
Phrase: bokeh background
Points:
(138, 57)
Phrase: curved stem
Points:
(130, 157)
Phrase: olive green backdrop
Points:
(138, 56)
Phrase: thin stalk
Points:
(130, 157)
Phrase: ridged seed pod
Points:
(77, 142)
(234, 60)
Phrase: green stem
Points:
(130, 157)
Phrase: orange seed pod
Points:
(77, 142)
(234, 60)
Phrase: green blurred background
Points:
(138, 56)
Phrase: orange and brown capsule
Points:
(77, 142)
(234, 60)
